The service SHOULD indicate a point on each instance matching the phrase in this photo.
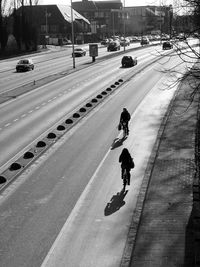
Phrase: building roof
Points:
(66, 12)
(97, 5)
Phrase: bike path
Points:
(160, 233)
(96, 232)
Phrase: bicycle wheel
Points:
(124, 130)
(124, 178)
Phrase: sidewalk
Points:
(162, 232)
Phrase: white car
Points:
(79, 52)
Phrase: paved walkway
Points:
(162, 234)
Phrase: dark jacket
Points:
(125, 116)
(125, 159)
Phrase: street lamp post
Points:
(124, 25)
(72, 24)
(113, 22)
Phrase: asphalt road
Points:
(47, 63)
(37, 205)
(28, 117)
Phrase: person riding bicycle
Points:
(125, 118)
(126, 159)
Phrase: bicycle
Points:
(125, 129)
(125, 177)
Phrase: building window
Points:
(54, 28)
(99, 14)
(44, 28)
(107, 14)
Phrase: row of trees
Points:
(194, 8)
(15, 22)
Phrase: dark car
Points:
(167, 45)
(24, 65)
(144, 40)
(128, 61)
(113, 46)
(79, 52)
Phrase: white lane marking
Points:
(73, 214)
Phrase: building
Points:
(53, 23)
(105, 17)
(149, 19)
(109, 18)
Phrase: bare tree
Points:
(3, 25)
(189, 53)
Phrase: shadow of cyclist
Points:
(116, 202)
(118, 142)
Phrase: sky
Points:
(127, 2)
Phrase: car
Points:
(144, 40)
(128, 61)
(125, 42)
(167, 45)
(113, 46)
(104, 42)
(25, 65)
(79, 52)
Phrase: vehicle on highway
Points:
(79, 52)
(144, 40)
(167, 45)
(25, 65)
(113, 46)
(128, 61)
(165, 37)
(134, 39)
(125, 42)
(104, 41)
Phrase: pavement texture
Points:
(165, 229)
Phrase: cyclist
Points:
(126, 159)
(125, 118)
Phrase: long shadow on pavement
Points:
(117, 142)
(116, 202)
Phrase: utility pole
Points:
(124, 24)
(72, 24)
